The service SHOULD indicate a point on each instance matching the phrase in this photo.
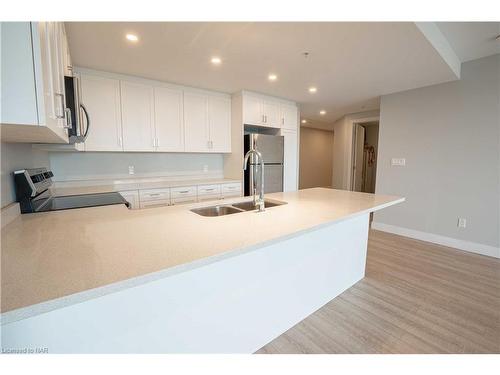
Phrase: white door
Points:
(101, 97)
(196, 132)
(137, 117)
(357, 169)
(290, 176)
(219, 117)
(169, 122)
(271, 111)
(252, 110)
(289, 116)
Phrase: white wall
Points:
(449, 134)
(17, 156)
(315, 166)
(102, 165)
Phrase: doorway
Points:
(364, 156)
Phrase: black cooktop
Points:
(81, 201)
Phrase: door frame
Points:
(351, 151)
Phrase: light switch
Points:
(400, 162)
(462, 222)
(205, 168)
(131, 169)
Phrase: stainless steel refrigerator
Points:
(271, 148)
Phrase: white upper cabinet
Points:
(101, 97)
(33, 82)
(19, 106)
(137, 107)
(271, 113)
(219, 115)
(252, 110)
(266, 111)
(169, 119)
(289, 116)
(196, 128)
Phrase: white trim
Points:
(472, 247)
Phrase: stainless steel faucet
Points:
(260, 202)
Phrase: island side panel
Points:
(235, 305)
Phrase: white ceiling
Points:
(350, 63)
(472, 40)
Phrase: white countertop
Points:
(54, 259)
(76, 187)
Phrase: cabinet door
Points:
(219, 117)
(196, 122)
(18, 99)
(289, 116)
(290, 180)
(101, 97)
(46, 49)
(169, 122)
(252, 110)
(271, 111)
(137, 116)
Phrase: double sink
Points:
(228, 209)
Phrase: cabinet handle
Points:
(184, 192)
(67, 116)
(61, 98)
(263, 120)
(120, 141)
(282, 121)
(157, 142)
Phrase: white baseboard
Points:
(472, 247)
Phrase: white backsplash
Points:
(115, 165)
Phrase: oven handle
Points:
(88, 120)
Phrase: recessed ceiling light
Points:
(216, 60)
(304, 121)
(312, 90)
(272, 77)
(322, 112)
(132, 37)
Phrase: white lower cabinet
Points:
(132, 197)
(154, 197)
(146, 198)
(231, 190)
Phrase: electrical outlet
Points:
(462, 222)
(400, 162)
(131, 169)
(205, 169)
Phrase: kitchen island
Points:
(108, 279)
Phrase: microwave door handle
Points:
(87, 117)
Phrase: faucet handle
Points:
(260, 205)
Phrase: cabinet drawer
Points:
(209, 189)
(231, 188)
(155, 203)
(184, 191)
(154, 194)
(208, 197)
(183, 200)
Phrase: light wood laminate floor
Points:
(416, 297)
